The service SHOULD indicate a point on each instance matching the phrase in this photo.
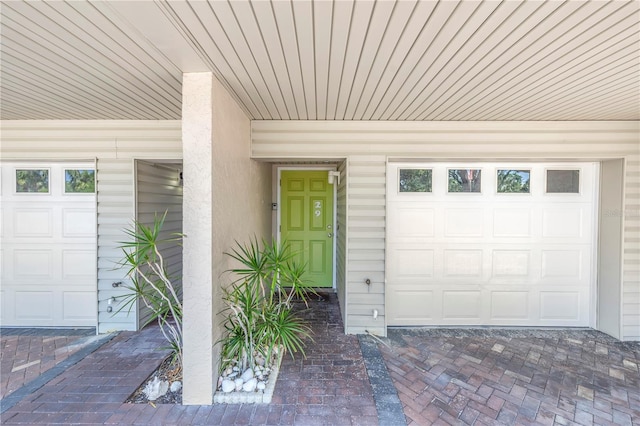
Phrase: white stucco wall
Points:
(227, 198)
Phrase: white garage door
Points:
(48, 255)
(490, 244)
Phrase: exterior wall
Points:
(241, 193)
(609, 271)
(227, 198)
(368, 145)
(114, 145)
(631, 249)
(341, 241)
(159, 190)
(366, 243)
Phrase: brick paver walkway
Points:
(480, 377)
(329, 387)
(517, 377)
(26, 354)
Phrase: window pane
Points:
(83, 181)
(32, 181)
(513, 181)
(563, 181)
(415, 180)
(464, 180)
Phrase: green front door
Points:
(306, 222)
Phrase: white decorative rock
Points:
(155, 389)
(175, 386)
(228, 386)
(248, 374)
(228, 371)
(250, 385)
(239, 383)
(261, 386)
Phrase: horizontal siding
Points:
(320, 139)
(368, 144)
(114, 144)
(115, 212)
(365, 236)
(631, 245)
(158, 190)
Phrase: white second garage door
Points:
(490, 244)
(48, 245)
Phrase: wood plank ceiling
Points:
(325, 60)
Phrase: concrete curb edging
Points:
(254, 397)
(385, 395)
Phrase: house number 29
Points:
(318, 208)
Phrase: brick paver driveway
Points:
(507, 377)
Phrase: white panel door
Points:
(490, 243)
(48, 256)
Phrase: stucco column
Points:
(197, 137)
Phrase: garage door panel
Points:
(79, 306)
(492, 258)
(34, 306)
(513, 223)
(511, 263)
(463, 263)
(567, 222)
(565, 264)
(468, 222)
(412, 262)
(414, 222)
(411, 306)
(510, 305)
(457, 305)
(555, 305)
(48, 257)
(33, 222)
(78, 222)
(78, 265)
(33, 264)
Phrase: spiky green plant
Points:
(151, 284)
(259, 312)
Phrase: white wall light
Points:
(333, 176)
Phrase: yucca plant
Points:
(151, 284)
(259, 312)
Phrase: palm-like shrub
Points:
(151, 284)
(259, 314)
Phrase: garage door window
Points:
(79, 181)
(32, 181)
(415, 180)
(465, 180)
(513, 181)
(563, 181)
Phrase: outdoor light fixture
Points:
(333, 176)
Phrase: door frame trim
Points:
(335, 209)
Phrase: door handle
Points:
(330, 234)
